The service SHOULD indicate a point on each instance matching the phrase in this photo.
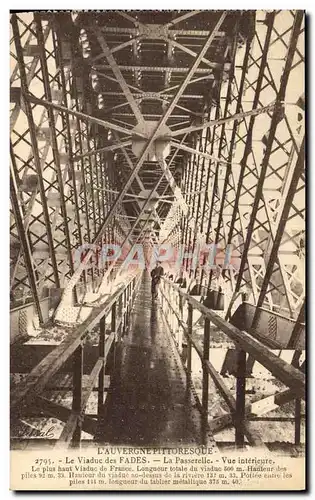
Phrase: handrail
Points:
(286, 373)
(239, 415)
(218, 381)
(37, 379)
(19, 307)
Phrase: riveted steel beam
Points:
(273, 127)
(283, 218)
(201, 153)
(25, 242)
(118, 47)
(183, 17)
(78, 114)
(185, 49)
(55, 148)
(221, 121)
(148, 145)
(178, 32)
(118, 74)
(111, 147)
(37, 161)
(157, 69)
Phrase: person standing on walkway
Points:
(156, 275)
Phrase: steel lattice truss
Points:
(187, 131)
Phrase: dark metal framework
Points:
(255, 202)
(179, 308)
(187, 131)
(229, 87)
(236, 125)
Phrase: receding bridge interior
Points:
(145, 134)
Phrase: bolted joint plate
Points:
(160, 147)
(153, 31)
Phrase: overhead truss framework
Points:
(187, 130)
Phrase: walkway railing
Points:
(178, 308)
(28, 392)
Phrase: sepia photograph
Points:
(157, 250)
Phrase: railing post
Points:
(164, 295)
(129, 295)
(120, 304)
(179, 326)
(77, 390)
(240, 398)
(120, 314)
(132, 291)
(113, 330)
(125, 311)
(176, 322)
(180, 306)
(297, 422)
(101, 376)
(173, 319)
(126, 307)
(297, 402)
(113, 318)
(189, 348)
(205, 379)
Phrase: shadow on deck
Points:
(147, 403)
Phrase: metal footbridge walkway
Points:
(148, 402)
(160, 372)
(136, 133)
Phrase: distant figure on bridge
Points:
(156, 275)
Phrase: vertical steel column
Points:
(190, 180)
(248, 145)
(273, 127)
(205, 379)
(103, 183)
(297, 328)
(298, 169)
(125, 312)
(200, 219)
(54, 145)
(189, 346)
(113, 318)
(217, 116)
(120, 313)
(26, 247)
(194, 214)
(77, 391)
(180, 306)
(235, 125)
(95, 181)
(101, 376)
(240, 398)
(162, 303)
(32, 130)
(66, 122)
(295, 362)
(89, 168)
(297, 422)
(207, 140)
(184, 225)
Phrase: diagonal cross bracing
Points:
(146, 149)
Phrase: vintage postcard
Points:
(157, 250)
